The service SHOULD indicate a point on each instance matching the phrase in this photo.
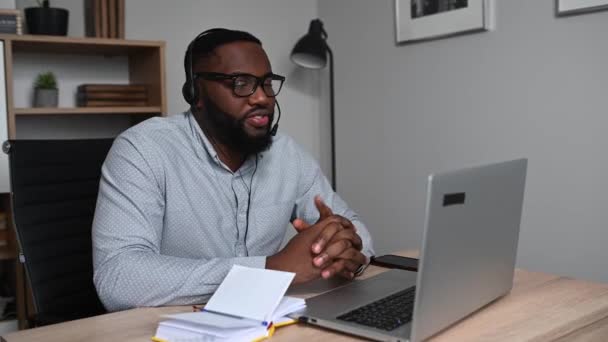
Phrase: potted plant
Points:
(46, 19)
(45, 91)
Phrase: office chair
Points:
(54, 186)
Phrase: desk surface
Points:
(541, 307)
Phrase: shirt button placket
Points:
(242, 198)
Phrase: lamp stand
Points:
(332, 117)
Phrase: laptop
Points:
(467, 260)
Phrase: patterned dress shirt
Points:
(172, 219)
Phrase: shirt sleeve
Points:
(312, 183)
(129, 270)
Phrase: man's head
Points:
(230, 86)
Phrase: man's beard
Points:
(231, 132)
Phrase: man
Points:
(184, 198)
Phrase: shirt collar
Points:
(206, 151)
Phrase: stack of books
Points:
(112, 95)
(10, 21)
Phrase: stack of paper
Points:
(244, 308)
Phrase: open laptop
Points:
(467, 261)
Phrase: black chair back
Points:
(54, 186)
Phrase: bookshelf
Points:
(146, 65)
(87, 110)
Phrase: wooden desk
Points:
(541, 307)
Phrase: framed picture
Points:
(429, 19)
(10, 21)
(569, 7)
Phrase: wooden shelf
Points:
(146, 65)
(78, 45)
(87, 110)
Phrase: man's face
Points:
(240, 122)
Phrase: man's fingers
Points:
(347, 274)
(345, 266)
(324, 210)
(326, 234)
(354, 255)
(351, 265)
(300, 225)
(340, 265)
(332, 251)
(334, 268)
(347, 234)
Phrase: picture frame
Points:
(572, 7)
(11, 21)
(419, 20)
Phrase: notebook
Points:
(248, 305)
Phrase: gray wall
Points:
(7, 4)
(535, 87)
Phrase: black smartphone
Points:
(396, 261)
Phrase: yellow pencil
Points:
(286, 323)
(156, 339)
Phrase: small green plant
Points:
(44, 3)
(46, 80)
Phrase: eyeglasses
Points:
(244, 85)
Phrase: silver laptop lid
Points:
(470, 243)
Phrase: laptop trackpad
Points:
(359, 293)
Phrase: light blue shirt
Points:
(171, 218)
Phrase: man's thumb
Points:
(300, 225)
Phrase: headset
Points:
(189, 89)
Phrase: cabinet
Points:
(145, 65)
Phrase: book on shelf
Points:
(104, 19)
(248, 305)
(86, 88)
(111, 18)
(112, 103)
(120, 13)
(98, 18)
(8, 29)
(10, 21)
(112, 95)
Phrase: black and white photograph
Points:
(571, 7)
(421, 8)
(418, 20)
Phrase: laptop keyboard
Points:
(387, 313)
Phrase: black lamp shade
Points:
(311, 50)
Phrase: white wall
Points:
(535, 87)
(277, 23)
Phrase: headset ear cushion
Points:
(187, 92)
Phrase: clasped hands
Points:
(325, 249)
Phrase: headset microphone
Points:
(274, 129)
